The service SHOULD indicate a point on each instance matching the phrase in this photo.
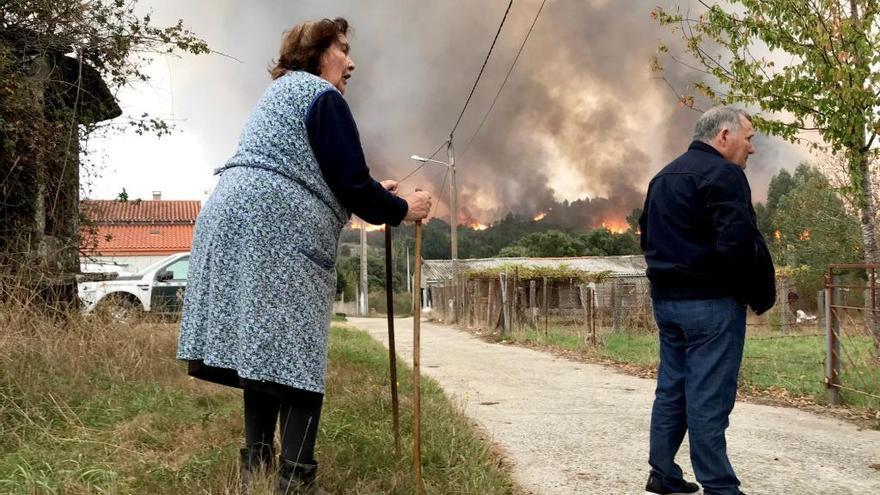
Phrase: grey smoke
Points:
(583, 84)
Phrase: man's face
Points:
(336, 66)
(736, 146)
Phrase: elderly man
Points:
(706, 262)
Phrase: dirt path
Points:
(578, 428)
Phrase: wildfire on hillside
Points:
(369, 228)
(616, 227)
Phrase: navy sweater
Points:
(336, 143)
(699, 234)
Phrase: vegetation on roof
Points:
(524, 272)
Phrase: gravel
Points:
(570, 427)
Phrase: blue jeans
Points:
(701, 347)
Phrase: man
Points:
(706, 262)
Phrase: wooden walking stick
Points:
(392, 355)
(417, 315)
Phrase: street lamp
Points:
(453, 199)
(423, 159)
(453, 214)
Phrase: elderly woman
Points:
(262, 271)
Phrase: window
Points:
(179, 269)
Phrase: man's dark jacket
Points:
(699, 233)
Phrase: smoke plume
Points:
(581, 118)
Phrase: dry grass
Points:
(88, 406)
(92, 406)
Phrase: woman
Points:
(262, 271)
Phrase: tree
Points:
(603, 242)
(781, 184)
(553, 243)
(349, 270)
(633, 219)
(61, 63)
(813, 229)
(825, 83)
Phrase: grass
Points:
(91, 407)
(792, 364)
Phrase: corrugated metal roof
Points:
(139, 212)
(619, 266)
(141, 240)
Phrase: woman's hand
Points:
(390, 186)
(419, 206)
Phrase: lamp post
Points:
(453, 216)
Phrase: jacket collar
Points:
(699, 145)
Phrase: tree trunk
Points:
(867, 209)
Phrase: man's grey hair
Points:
(716, 119)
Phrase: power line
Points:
(442, 190)
(506, 77)
(444, 143)
(497, 33)
(407, 176)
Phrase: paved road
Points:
(577, 428)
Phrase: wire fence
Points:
(852, 335)
(511, 304)
(787, 348)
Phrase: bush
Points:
(402, 303)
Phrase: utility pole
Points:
(453, 201)
(453, 222)
(457, 292)
(363, 302)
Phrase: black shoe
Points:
(255, 461)
(295, 478)
(658, 486)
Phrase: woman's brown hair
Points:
(302, 46)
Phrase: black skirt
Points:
(229, 377)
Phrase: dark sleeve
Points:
(729, 204)
(336, 143)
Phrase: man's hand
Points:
(419, 206)
(390, 186)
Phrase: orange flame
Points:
(615, 227)
(369, 228)
(777, 235)
(540, 216)
(479, 226)
(805, 235)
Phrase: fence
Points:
(508, 303)
(852, 332)
(785, 348)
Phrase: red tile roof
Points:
(140, 240)
(140, 212)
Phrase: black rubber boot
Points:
(295, 478)
(256, 460)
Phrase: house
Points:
(128, 236)
(48, 94)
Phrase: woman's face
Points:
(336, 66)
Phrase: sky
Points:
(581, 117)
